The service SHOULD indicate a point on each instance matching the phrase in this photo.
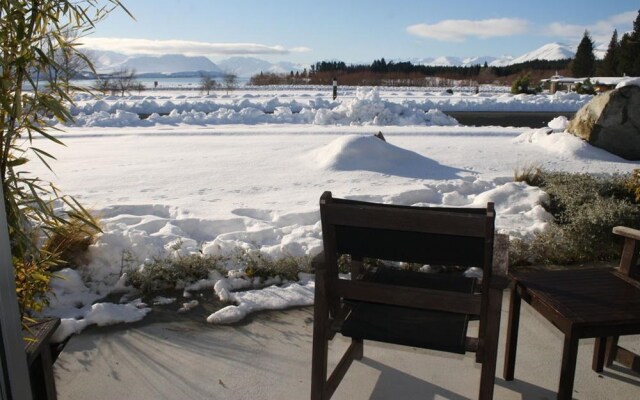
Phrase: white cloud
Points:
(600, 31)
(189, 48)
(457, 30)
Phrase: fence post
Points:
(335, 88)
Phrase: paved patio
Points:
(269, 357)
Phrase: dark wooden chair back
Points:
(437, 236)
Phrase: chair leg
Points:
(568, 369)
(599, 353)
(611, 351)
(512, 335)
(490, 346)
(320, 347)
(354, 352)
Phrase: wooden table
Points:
(40, 359)
(582, 303)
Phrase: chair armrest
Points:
(627, 232)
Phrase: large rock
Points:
(611, 121)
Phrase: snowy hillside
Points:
(166, 64)
(249, 66)
(550, 52)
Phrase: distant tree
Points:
(104, 85)
(207, 83)
(609, 65)
(125, 81)
(584, 63)
(629, 52)
(67, 62)
(230, 81)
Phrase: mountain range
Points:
(181, 65)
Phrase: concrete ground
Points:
(269, 357)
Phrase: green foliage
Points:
(585, 87)
(266, 267)
(170, 273)
(609, 65)
(522, 85)
(33, 84)
(167, 273)
(585, 210)
(633, 184)
(584, 63)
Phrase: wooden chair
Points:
(399, 306)
(606, 350)
(596, 303)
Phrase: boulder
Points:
(611, 121)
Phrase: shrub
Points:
(530, 174)
(585, 87)
(522, 85)
(70, 242)
(633, 184)
(266, 267)
(166, 273)
(38, 40)
(585, 210)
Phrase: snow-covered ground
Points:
(246, 171)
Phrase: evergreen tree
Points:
(629, 51)
(635, 44)
(584, 63)
(609, 66)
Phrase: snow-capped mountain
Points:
(550, 52)
(166, 64)
(463, 62)
(249, 66)
(245, 67)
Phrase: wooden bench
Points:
(40, 358)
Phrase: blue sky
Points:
(355, 30)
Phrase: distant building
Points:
(600, 83)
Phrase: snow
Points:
(245, 171)
(354, 107)
(629, 82)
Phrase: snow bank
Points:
(565, 144)
(364, 106)
(629, 82)
(369, 153)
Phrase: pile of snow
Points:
(367, 108)
(364, 106)
(369, 153)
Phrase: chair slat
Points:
(440, 222)
(428, 299)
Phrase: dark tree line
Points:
(381, 72)
(623, 56)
